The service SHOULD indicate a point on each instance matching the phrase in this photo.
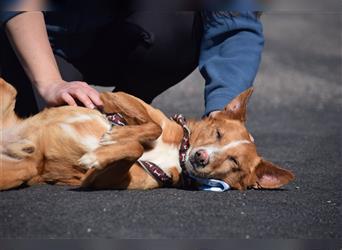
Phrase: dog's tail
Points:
(8, 94)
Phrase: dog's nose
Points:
(202, 157)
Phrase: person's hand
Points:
(214, 113)
(61, 92)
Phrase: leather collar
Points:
(185, 143)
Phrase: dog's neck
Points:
(174, 133)
(194, 127)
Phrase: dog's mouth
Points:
(192, 161)
(194, 164)
(192, 170)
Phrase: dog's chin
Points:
(190, 167)
(192, 170)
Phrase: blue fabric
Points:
(234, 5)
(212, 185)
(230, 56)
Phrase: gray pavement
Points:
(295, 117)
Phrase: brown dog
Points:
(79, 147)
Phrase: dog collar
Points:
(156, 172)
(185, 143)
(116, 119)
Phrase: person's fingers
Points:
(95, 98)
(83, 97)
(90, 92)
(213, 114)
(93, 94)
(67, 98)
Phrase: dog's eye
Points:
(218, 134)
(233, 159)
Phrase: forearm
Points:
(28, 35)
(230, 58)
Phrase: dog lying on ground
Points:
(80, 147)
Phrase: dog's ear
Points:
(237, 108)
(270, 176)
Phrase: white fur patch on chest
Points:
(164, 155)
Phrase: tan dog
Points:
(77, 146)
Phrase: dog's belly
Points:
(66, 141)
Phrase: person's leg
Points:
(145, 53)
(171, 56)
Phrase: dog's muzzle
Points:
(200, 158)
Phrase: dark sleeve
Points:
(5, 16)
(230, 56)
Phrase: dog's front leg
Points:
(105, 155)
(100, 160)
(144, 133)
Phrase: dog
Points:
(81, 147)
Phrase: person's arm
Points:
(28, 35)
(230, 56)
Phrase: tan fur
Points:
(76, 146)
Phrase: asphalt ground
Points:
(295, 117)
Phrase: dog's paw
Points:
(107, 139)
(88, 161)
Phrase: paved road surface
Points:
(296, 120)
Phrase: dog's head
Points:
(222, 148)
